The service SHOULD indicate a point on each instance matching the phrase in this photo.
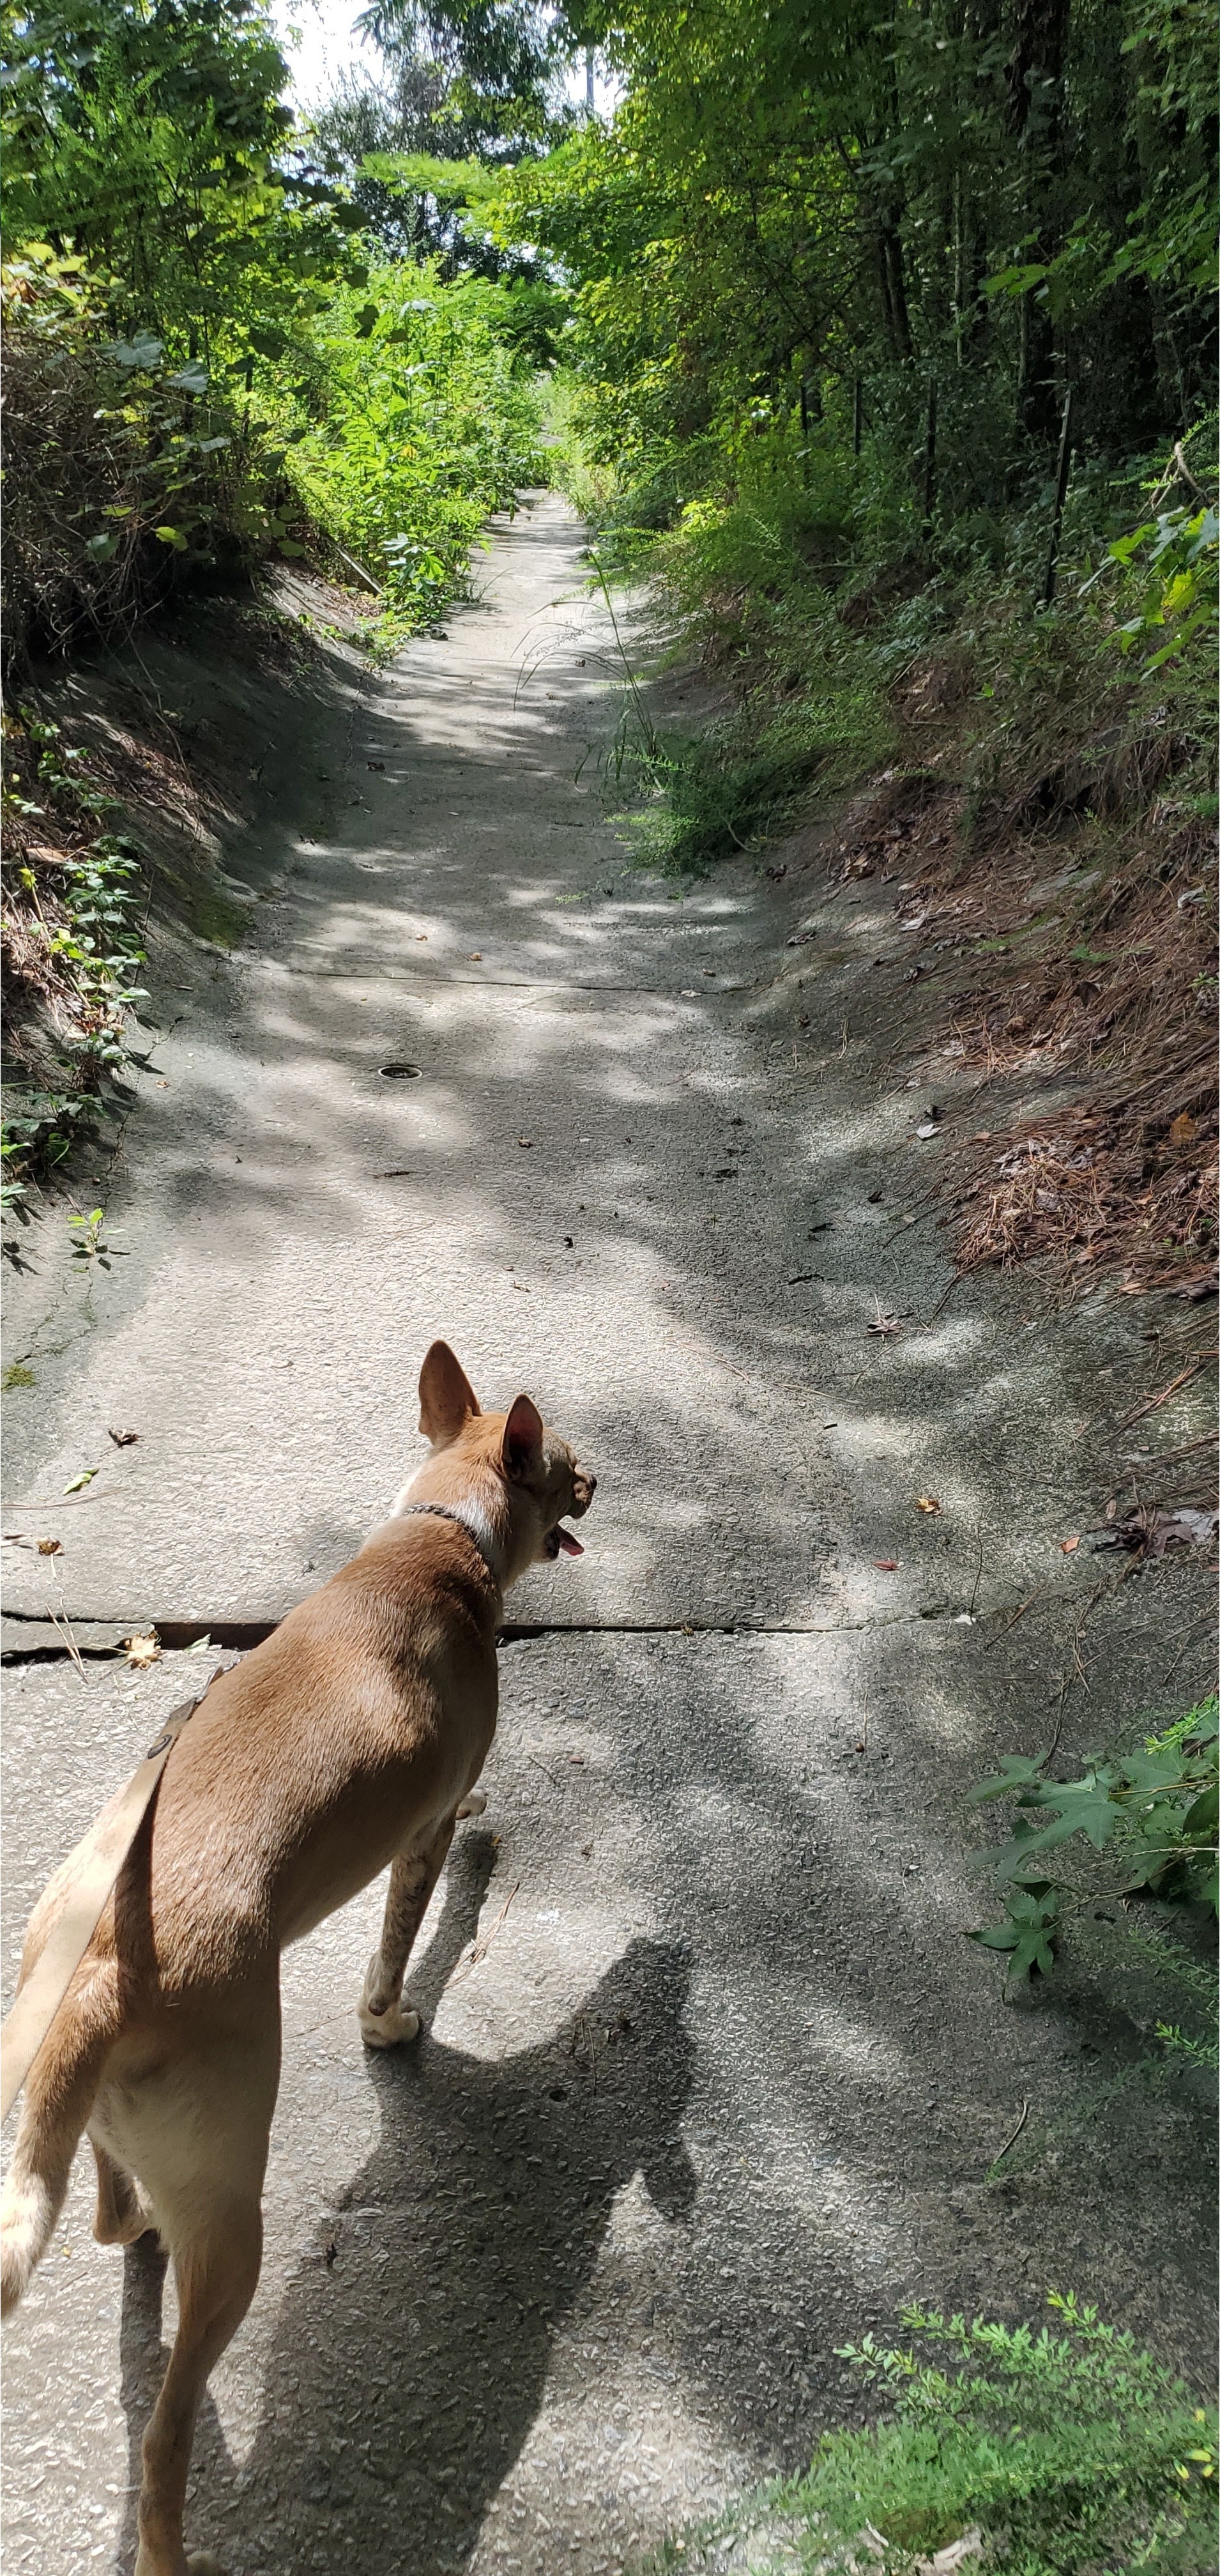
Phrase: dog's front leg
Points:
(383, 2016)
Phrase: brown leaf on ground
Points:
(1150, 1532)
(50, 1547)
(885, 1326)
(926, 1503)
(143, 1649)
(1069, 1546)
(886, 1564)
(123, 1439)
(1182, 1129)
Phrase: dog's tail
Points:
(59, 2095)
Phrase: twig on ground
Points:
(479, 1949)
(1011, 2142)
(1206, 1440)
(946, 1294)
(1018, 1613)
(1152, 1403)
(60, 1623)
(978, 1572)
(1187, 1642)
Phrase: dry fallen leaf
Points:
(885, 1325)
(475, 958)
(1069, 1546)
(525, 1140)
(1150, 1531)
(886, 1564)
(143, 1649)
(927, 1503)
(50, 1547)
(123, 1439)
(1182, 1128)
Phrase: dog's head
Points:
(519, 1477)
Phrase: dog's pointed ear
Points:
(447, 1399)
(521, 1446)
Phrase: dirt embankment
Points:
(1059, 928)
(137, 784)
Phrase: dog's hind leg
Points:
(385, 2017)
(196, 2133)
(216, 2265)
(122, 2214)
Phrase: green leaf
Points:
(1027, 1933)
(1202, 1821)
(1018, 1770)
(145, 351)
(1084, 1807)
(1033, 1950)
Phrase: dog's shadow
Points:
(412, 2348)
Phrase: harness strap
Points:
(95, 1865)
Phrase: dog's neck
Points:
(470, 1516)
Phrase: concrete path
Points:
(712, 2082)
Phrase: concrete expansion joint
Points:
(47, 1641)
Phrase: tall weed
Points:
(1065, 2453)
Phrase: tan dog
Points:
(351, 1739)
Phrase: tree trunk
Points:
(1034, 84)
(894, 272)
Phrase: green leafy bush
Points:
(1065, 2453)
(404, 417)
(201, 368)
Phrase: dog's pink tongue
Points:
(571, 1546)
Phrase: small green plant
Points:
(1153, 1812)
(78, 913)
(89, 1243)
(1173, 557)
(1065, 2453)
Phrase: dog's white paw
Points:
(474, 1803)
(387, 2029)
(394, 2023)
